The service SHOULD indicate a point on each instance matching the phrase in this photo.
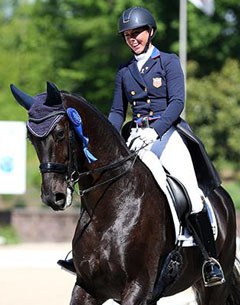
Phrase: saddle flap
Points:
(179, 197)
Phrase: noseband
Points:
(50, 167)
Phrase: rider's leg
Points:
(176, 158)
(201, 228)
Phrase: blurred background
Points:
(76, 45)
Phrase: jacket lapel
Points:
(151, 61)
(135, 73)
(146, 67)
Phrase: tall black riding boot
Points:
(201, 228)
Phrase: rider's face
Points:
(137, 39)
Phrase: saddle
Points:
(179, 198)
(207, 176)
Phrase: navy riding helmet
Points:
(136, 17)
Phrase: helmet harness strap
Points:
(148, 41)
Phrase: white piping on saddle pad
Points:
(152, 162)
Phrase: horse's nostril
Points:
(60, 198)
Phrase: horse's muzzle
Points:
(58, 201)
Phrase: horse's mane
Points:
(97, 112)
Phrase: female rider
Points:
(152, 82)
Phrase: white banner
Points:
(12, 157)
(207, 6)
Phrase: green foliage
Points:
(213, 110)
(211, 40)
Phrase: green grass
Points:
(9, 234)
(233, 188)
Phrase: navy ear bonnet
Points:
(43, 117)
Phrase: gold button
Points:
(148, 101)
(134, 103)
(151, 112)
(138, 115)
(133, 92)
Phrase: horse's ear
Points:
(22, 98)
(53, 95)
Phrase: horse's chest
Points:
(90, 266)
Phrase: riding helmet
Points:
(136, 17)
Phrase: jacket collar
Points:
(151, 61)
(155, 53)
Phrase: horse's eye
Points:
(60, 135)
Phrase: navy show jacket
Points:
(157, 90)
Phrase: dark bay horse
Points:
(125, 229)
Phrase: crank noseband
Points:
(50, 167)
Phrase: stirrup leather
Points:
(212, 261)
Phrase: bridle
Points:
(72, 169)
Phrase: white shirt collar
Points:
(142, 58)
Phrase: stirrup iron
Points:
(212, 261)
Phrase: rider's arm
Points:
(175, 93)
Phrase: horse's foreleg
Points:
(81, 297)
(134, 294)
(211, 295)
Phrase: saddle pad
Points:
(159, 174)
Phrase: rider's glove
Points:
(148, 135)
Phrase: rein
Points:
(71, 168)
(105, 168)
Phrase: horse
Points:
(125, 229)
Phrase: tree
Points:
(212, 40)
(213, 111)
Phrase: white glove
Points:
(148, 135)
(135, 143)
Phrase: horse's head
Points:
(51, 134)
(55, 128)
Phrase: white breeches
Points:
(172, 154)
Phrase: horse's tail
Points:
(234, 295)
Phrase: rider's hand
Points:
(148, 135)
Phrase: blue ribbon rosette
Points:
(76, 120)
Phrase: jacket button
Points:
(134, 103)
(148, 101)
(145, 89)
(138, 115)
(133, 92)
(151, 113)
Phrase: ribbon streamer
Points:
(76, 120)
